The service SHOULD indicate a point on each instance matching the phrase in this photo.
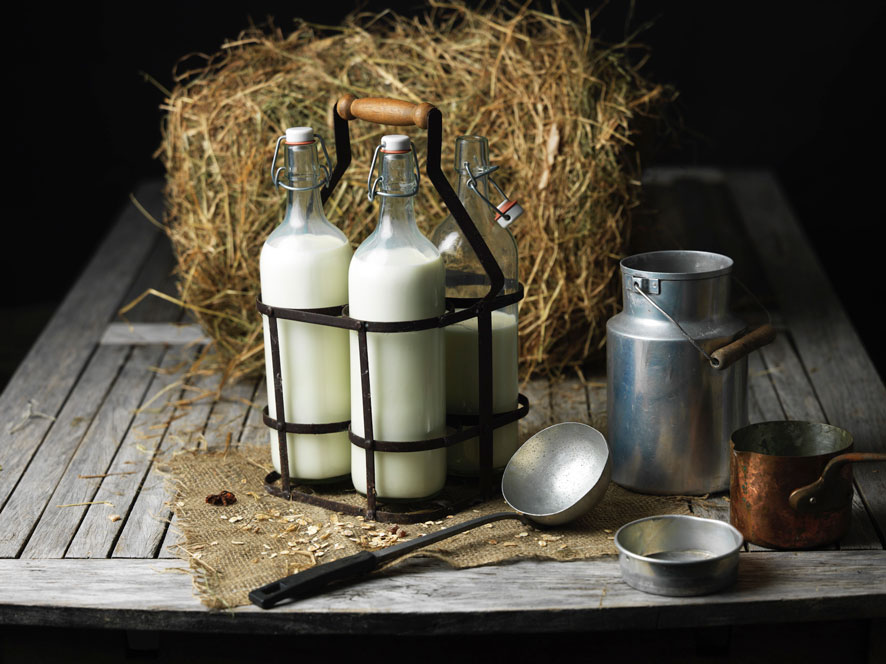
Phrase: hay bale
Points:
(559, 109)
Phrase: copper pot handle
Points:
(827, 494)
(383, 110)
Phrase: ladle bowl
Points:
(559, 474)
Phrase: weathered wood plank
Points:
(715, 506)
(145, 334)
(862, 534)
(32, 493)
(539, 416)
(255, 432)
(417, 597)
(96, 535)
(596, 393)
(763, 403)
(569, 401)
(789, 379)
(147, 523)
(55, 362)
(157, 273)
(845, 381)
(94, 455)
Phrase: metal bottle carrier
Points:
(482, 426)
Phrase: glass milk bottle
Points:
(465, 277)
(397, 275)
(304, 265)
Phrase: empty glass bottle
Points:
(466, 278)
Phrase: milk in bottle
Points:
(397, 275)
(304, 265)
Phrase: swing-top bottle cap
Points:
(297, 135)
(395, 143)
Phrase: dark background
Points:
(784, 85)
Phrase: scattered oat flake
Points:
(489, 525)
(542, 543)
(313, 530)
(509, 544)
(237, 542)
(492, 541)
(523, 534)
(235, 519)
(114, 517)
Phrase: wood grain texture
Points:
(57, 526)
(158, 273)
(148, 520)
(539, 416)
(56, 360)
(97, 534)
(254, 431)
(569, 401)
(426, 597)
(32, 493)
(149, 334)
(848, 387)
(763, 403)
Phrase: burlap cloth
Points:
(261, 538)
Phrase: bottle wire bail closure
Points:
(508, 210)
(275, 171)
(372, 185)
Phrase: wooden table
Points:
(71, 411)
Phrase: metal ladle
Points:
(556, 476)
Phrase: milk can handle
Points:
(729, 354)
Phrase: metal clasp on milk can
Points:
(673, 405)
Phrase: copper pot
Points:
(791, 483)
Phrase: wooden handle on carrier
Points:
(383, 110)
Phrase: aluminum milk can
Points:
(677, 373)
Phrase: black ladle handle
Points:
(311, 581)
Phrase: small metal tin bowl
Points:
(678, 555)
